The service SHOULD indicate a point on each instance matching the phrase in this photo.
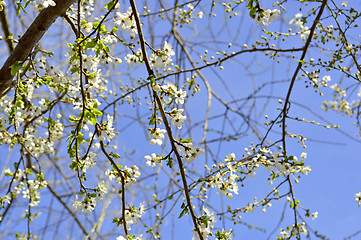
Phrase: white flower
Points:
(5, 199)
(133, 214)
(102, 187)
(133, 237)
(158, 135)
(178, 118)
(133, 59)
(326, 78)
(162, 59)
(285, 234)
(200, 14)
(344, 3)
(180, 95)
(230, 157)
(314, 215)
(89, 161)
(205, 227)
(88, 27)
(303, 155)
(126, 21)
(76, 203)
(167, 47)
(169, 88)
(269, 16)
(47, 3)
(303, 229)
(190, 6)
(358, 198)
(190, 153)
(152, 160)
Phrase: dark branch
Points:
(30, 38)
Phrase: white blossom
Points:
(157, 135)
(47, 3)
(206, 225)
(269, 16)
(358, 198)
(178, 118)
(180, 95)
(126, 21)
(152, 160)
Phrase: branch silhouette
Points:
(30, 38)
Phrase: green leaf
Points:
(184, 211)
(97, 112)
(188, 140)
(151, 78)
(15, 68)
(114, 29)
(323, 39)
(74, 70)
(170, 162)
(152, 121)
(91, 44)
(109, 5)
(114, 155)
(94, 120)
(73, 119)
(73, 165)
(103, 30)
(95, 24)
(252, 13)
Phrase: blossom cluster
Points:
(32, 139)
(126, 21)
(133, 214)
(268, 16)
(305, 31)
(107, 130)
(225, 181)
(171, 91)
(89, 202)
(177, 117)
(340, 104)
(185, 15)
(29, 188)
(157, 136)
(205, 224)
(189, 152)
(130, 175)
(162, 58)
(293, 231)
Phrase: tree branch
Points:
(30, 38)
(6, 30)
